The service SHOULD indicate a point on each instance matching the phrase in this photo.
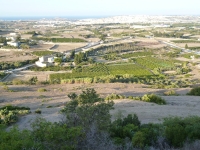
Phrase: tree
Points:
(54, 135)
(17, 64)
(90, 112)
(103, 37)
(186, 46)
(3, 40)
(72, 55)
(58, 60)
(33, 80)
(88, 109)
(24, 46)
(80, 58)
(18, 38)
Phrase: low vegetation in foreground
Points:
(9, 114)
(88, 125)
(152, 98)
(195, 91)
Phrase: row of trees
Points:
(118, 48)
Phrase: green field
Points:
(142, 67)
(103, 70)
(152, 62)
(42, 53)
(121, 69)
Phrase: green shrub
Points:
(9, 114)
(195, 91)
(49, 106)
(7, 117)
(15, 139)
(139, 139)
(176, 135)
(43, 135)
(42, 90)
(153, 98)
(122, 128)
(38, 111)
(41, 96)
(170, 92)
(11, 107)
(147, 135)
(115, 96)
(178, 130)
(17, 82)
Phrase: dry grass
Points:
(189, 44)
(68, 46)
(12, 56)
(56, 97)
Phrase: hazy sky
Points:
(98, 7)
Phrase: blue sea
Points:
(27, 18)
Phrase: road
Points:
(170, 44)
(24, 68)
(183, 49)
(90, 45)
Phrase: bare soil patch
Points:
(12, 56)
(26, 75)
(46, 46)
(61, 47)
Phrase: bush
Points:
(153, 98)
(115, 96)
(170, 92)
(195, 91)
(38, 111)
(9, 114)
(42, 90)
(147, 135)
(17, 139)
(124, 128)
(17, 82)
(139, 139)
(178, 130)
(7, 117)
(10, 107)
(41, 96)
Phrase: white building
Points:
(45, 61)
(13, 34)
(16, 44)
(13, 41)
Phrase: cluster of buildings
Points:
(50, 23)
(13, 41)
(139, 18)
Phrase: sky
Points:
(59, 8)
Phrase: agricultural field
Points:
(104, 70)
(153, 62)
(133, 69)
